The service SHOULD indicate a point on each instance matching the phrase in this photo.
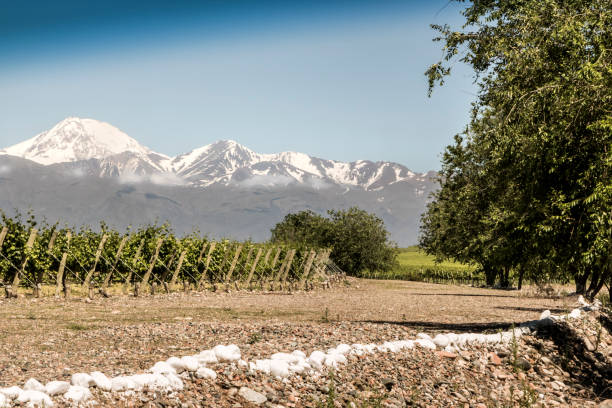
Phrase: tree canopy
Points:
(528, 186)
(359, 240)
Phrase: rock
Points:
(252, 396)
(605, 404)
(494, 358)
(33, 384)
(82, 380)
(423, 336)
(57, 387)
(205, 372)
(77, 394)
(190, 363)
(523, 364)
(441, 340)
(35, 399)
(11, 392)
(545, 314)
(447, 354)
(101, 381)
(588, 344)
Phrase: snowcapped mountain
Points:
(96, 148)
(75, 140)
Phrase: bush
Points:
(358, 239)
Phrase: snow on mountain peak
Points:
(76, 142)
(75, 139)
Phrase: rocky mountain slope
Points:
(83, 171)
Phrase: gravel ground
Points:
(50, 339)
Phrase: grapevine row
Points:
(149, 258)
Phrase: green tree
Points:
(533, 170)
(359, 240)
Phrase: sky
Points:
(339, 80)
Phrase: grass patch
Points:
(77, 327)
(415, 265)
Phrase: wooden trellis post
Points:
(281, 271)
(248, 258)
(128, 279)
(252, 271)
(307, 268)
(228, 276)
(288, 267)
(3, 236)
(21, 271)
(114, 266)
(60, 279)
(145, 278)
(39, 276)
(205, 270)
(89, 275)
(178, 268)
(275, 260)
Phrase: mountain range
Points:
(84, 170)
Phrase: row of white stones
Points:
(167, 376)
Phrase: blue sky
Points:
(334, 79)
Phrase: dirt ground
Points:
(47, 338)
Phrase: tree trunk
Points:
(504, 277)
(520, 279)
(490, 275)
(581, 281)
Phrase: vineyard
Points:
(414, 265)
(50, 260)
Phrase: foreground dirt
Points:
(50, 339)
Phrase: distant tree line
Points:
(359, 240)
(526, 190)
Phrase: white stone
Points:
(82, 380)
(175, 382)
(428, 344)
(263, 366)
(207, 357)
(176, 363)
(332, 360)
(424, 336)
(252, 396)
(289, 358)
(227, 353)
(11, 392)
(316, 359)
(78, 394)
(545, 314)
(34, 385)
(35, 399)
(4, 401)
(190, 363)
(122, 383)
(441, 340)
(57, 387)
(162, 367)
(575, 313)
(101, 381)
(279, 368)
(205, 372)
(343, 348)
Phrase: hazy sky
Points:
(335, 79)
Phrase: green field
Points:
(415, 265)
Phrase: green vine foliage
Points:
(135, 258)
